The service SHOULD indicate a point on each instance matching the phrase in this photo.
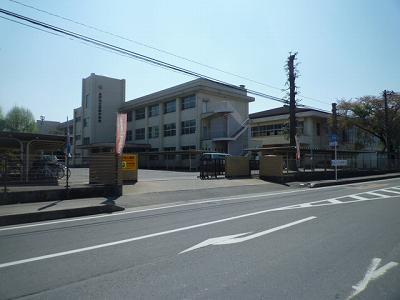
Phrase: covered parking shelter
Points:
(21, 149)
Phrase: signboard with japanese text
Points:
(129, 162)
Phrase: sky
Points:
(346, 48)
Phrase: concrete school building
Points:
(313, 130)
(196, 115)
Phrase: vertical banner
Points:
(121, 133)
(297, 147)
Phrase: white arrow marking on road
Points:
(238, 238)
(372, 274)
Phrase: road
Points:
(327, 243)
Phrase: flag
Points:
(297, 147)
(121, 133)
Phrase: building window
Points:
(77, 137)
(153, 132)
(140, 134)
(267, 130)
(77, 119)
(169, 156)
(86, 101)
(188, 127)
(99, 108)
(140, 113)
(187, 148)
(170, 129)
(129, 135)
(318, 129)
(188, 102)
(169, 106)
(84, 122)
(86, 140)
(154, 110)
(129, 116)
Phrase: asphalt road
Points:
(328, 243)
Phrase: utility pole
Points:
(388, 141)
(334, 115)
(292, 102)
(334, 134)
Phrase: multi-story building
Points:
(95, 121)
(269, 128)
(199, 114)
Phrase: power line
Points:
(157, 49)
(15, 21)
(130, 54)
(146, 45)
(133, 54)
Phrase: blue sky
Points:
(347, 48)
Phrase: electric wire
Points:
(158, 49)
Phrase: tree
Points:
(20, 119)
(368, 114)
(1, 119)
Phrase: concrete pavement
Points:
(135, 254)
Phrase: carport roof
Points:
(28, 136)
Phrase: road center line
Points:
(290, 207)
(193, 202)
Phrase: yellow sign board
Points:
(129, 162)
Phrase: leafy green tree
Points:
(2, 122)
(368, 114)
(20, 119)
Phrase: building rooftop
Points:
(284, 110)
(188, 88)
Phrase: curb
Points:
(349, 181)
(58, 214)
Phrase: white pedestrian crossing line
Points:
(390, 191)
(357, 197)
(378, 195)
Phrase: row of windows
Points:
(170, 106)
(99, 107)
(187, 127)
(277, 129)
(267, 130)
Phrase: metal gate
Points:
(211, 168)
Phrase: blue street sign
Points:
(333, 138)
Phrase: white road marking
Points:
(372, 274)
(238, 238)
(358, 197)
(390, 191)
(377, 194)
(194, 202)
(332, 201)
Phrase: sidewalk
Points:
(161, 190)
(342, 181)
(41, 211)
(150, 192)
